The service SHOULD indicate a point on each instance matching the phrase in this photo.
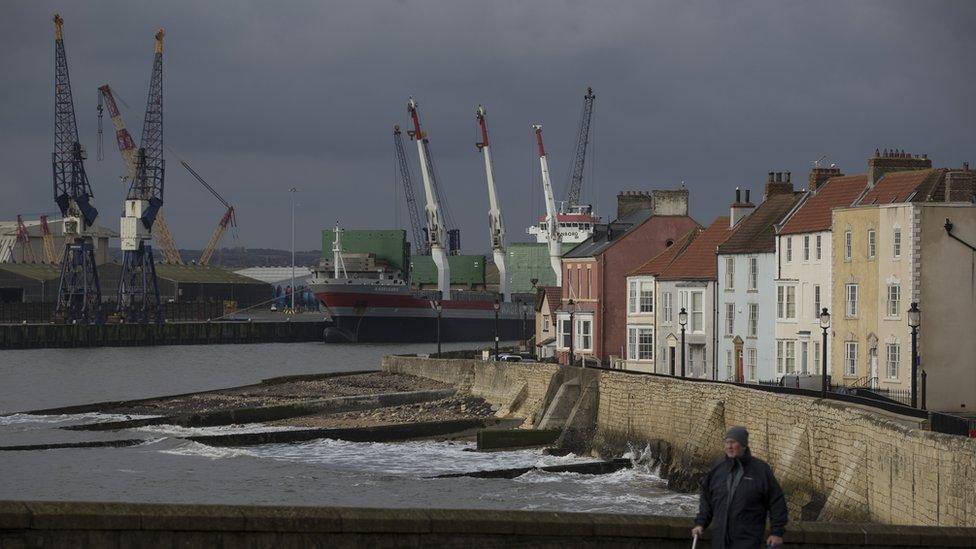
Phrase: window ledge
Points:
(892, 318)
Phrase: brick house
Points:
(547, 300)
(595, 271)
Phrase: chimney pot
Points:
(877, 153)
(747, 195)
(788, 176)
(770, 180)
(965, 166)
(738, 195)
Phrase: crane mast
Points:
(79, 293)
(138, 294)
(407, 182)
(129, 151)
(49, 253)
(229, 218)
(579, 157)
(495, 225)
(436, 235)
(552, 220)
(23, 237)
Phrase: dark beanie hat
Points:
(738, 433)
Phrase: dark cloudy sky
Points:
(264, 96)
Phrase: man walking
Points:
(736, 496)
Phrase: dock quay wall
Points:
(837, 461)
(28, 524)
(38, 336)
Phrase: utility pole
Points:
(293, 190)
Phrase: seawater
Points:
(167, 468)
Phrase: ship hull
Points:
(390, 315)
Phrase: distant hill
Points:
(239, 258)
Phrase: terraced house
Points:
(803, 269)
(747, 299)
(908, 238)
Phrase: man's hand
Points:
(774, 541)
(697, 531)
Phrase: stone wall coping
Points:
(90, 516)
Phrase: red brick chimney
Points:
(819, 176)
(894, 160)
(778, 183)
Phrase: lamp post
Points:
(914, 320)
(824, 325)
(438, 307)
(496, 305)
(293, 190)
(571, 307)
(683, 321)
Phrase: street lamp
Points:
(438, 307)
(824, 325)
(293, 190)
(683, 321)
(914, 321)
(496, 305)
(571, 307)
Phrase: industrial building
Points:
(13, 251)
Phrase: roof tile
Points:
(755, 234)
(815, 214)
(698, 261)
(658, 263)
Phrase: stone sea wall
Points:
(836, 461)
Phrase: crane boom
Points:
(407, 182)
(229, 218)
(79, 293)
(436, 235)
(127, 147)
(552, 219)
(49, 254)
(579, 157)
(496, 226)
(27, 252)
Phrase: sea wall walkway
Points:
(80, 524)
(837, 461)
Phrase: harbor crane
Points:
(127, 147)
(138, 296)
(229, 219)
(436, 233)
(23, 237)
(79, 293)
(48, 239)
(406, 181)
(579, 157)
(495, 225)
(552, 221)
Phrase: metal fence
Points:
(35, 312)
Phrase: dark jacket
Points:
(741, 522)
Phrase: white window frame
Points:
(790, 361)
(753, 319)
(752, 360)
(729, 319)
(806, 247)
(896, 243)
(816, 357)
(872, 243)
(819, 247)
(780, 355)
(667, 306)
(804, 357)
(848, 245)
(637, 350)
(893, 300)
(753, 273)
(850, 358)
(789, 249)
(786, 302)
(729, 273)
(632, 286)
(817, 296)
(696, 318)
(892, 360)
(645, 289)
(545, 323)
(851, 300)
(583, 339)
(562, 332)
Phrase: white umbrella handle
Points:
(694, 541)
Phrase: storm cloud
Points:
(264, 96)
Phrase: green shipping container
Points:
(388, 245)
(528, 260)
(468, 270)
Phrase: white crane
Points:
(552, 221)
(436, 234)
(495, 225)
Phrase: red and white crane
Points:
(552, 221)
(50, 255)
(229, 218)
(495, 225)
(23, 237)
(436, 233)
